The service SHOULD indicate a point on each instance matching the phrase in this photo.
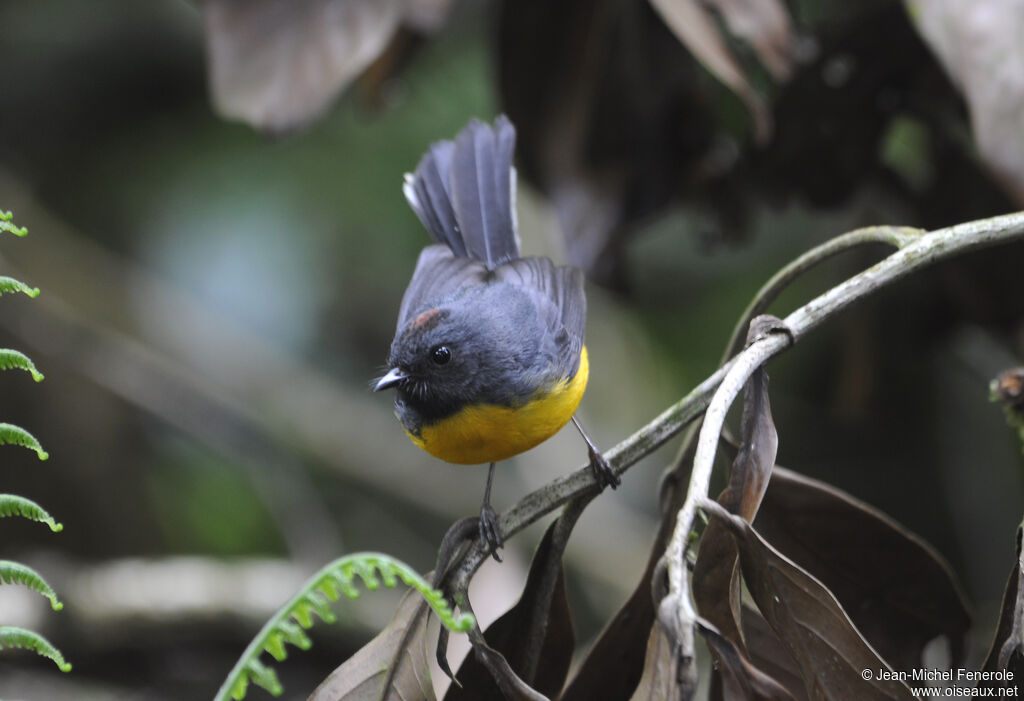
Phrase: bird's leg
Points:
(489, 531)
(603, 471)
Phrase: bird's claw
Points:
(603, 471)
(489, 531)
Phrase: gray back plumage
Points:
(517, 324)
(464, 193)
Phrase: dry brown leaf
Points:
(900, 593)
(764, 24)
(540, 622)
(615, 663)
(1007, 650)
(391, 667)
(809, 621)
(278, 64)
(620, 658)
(659, 680)
(612, 114)
(696, 29)
(759, 441)
(979, 44)
(508, 685)
(426, 16)
(768, 653)
(738, 677)
(716, 584)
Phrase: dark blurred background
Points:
(215, 301)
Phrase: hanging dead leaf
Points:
(899, 591)
(979, 45)
(1007, 650)
(739, 678)
(764, 24)
(614, 666)
(278, 64)
(809, 621)
(391, 667)
(612, 116)
(767, 652)
(615, 663)
(505, 681)
(716, 583)
(660, 678)
(536, 636)
(759, 441)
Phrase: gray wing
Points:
(439, 272)
(560, 298)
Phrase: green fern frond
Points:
(9, 284)
(13, 435)
(12, 636)
(7, 225)
(327, 585)
(16, 359)
(13, 505)
(17, 573)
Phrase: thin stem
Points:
(895, 236)
(747, 362)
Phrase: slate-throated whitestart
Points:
(488, 358)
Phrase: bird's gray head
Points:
(477, 347)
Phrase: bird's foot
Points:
(489, 531)
(603, 471)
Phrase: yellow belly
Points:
(489, 433)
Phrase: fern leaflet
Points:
(13, 505)
(7, 225)
(12, 636)
(13, 435)
(286, 626)
(9, 284)
(16, 359)
(17, 573)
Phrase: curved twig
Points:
(895, 236)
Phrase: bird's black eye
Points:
(441, 355)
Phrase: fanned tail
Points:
(464, 193)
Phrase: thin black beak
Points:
(393, 377)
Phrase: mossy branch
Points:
(914, 252)
(17, 573)
(14, 435)
(13, 505)
(315, 597)
(12, 636)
